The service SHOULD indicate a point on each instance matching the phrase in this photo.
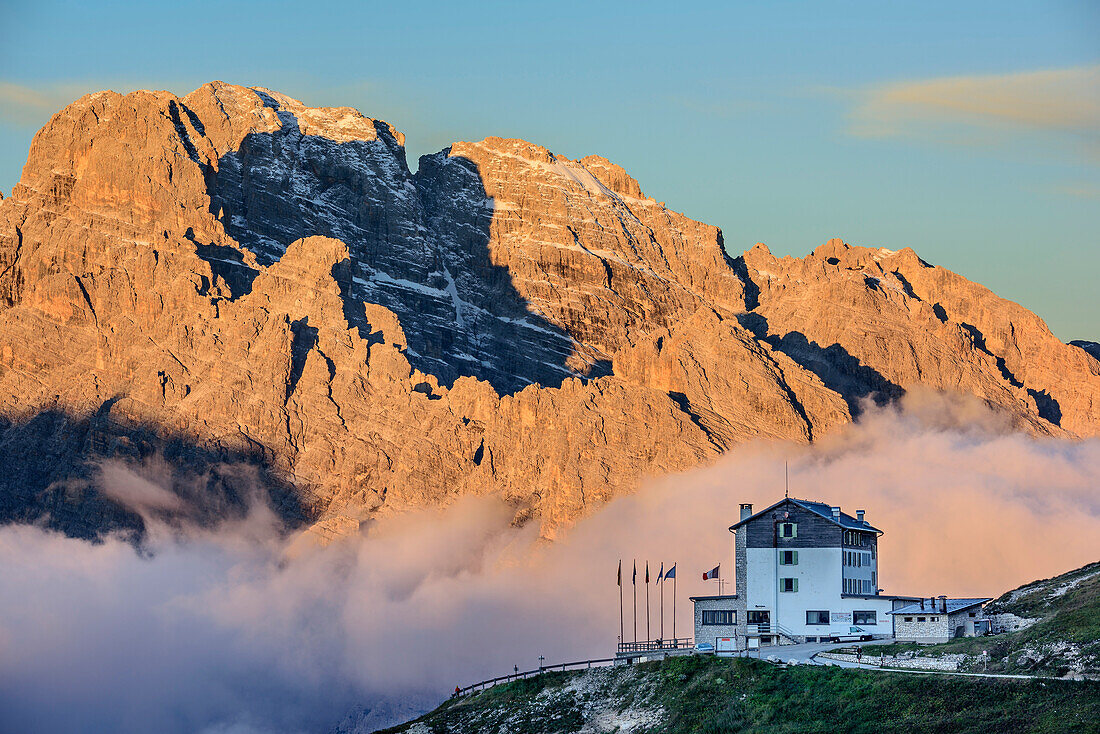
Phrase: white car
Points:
(855, 634)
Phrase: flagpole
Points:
(647, 635)
(621, 635)
(634, 583)
(674, 601)
(662, 583)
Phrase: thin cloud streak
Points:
(983, 110)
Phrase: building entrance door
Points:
(759, 621)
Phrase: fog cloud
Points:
(225, 630)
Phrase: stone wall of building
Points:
(711, 632)
(934, 628)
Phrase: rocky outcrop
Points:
(234, 278)
(873, 322)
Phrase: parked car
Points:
(703, 648)
(855, 634)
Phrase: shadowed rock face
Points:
(271, 282)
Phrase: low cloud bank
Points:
(226, 630)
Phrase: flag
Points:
(661, 573)
(647, 572)
(634, 578)
(671, 573)
(619, 576)
(713, 573)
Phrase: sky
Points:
(968, 131)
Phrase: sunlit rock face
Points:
(232, 278)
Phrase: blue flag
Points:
(671, 573)
(661, 573)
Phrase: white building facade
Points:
(805, 572)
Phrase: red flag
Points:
(619, 576)
(634, 578)
(712, 574)
(647, 572)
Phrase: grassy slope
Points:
(709, 695)
(1073, 617)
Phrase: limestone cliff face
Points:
(873, 321)
(232, 278)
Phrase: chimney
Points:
(836, 513)
(922, 602)
(746, 511)
(859, 515)
(943, 601)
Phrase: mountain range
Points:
(234, 294)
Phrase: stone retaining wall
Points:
(948, 663)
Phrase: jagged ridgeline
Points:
(232, 279)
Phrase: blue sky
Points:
(970, 133)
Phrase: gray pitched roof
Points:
(845, 520)
(953, 605)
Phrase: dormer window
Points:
(788, 530)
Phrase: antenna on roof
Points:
(786, 482)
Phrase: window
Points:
(788, 530)
(921, 619)
(788, 584)
(908, 619)
(864, 617)
(973, 614)
(788, 558)
(817, 617)
(758, 617)
(933, 619)
(719, 616)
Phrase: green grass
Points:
(1073, 617)
(1032, 599)
(709, 695)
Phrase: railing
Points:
(594, 663)
(597, 662)
(679, 643)
(788, 634)
(764, 628)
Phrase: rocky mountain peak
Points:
(235, 277)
